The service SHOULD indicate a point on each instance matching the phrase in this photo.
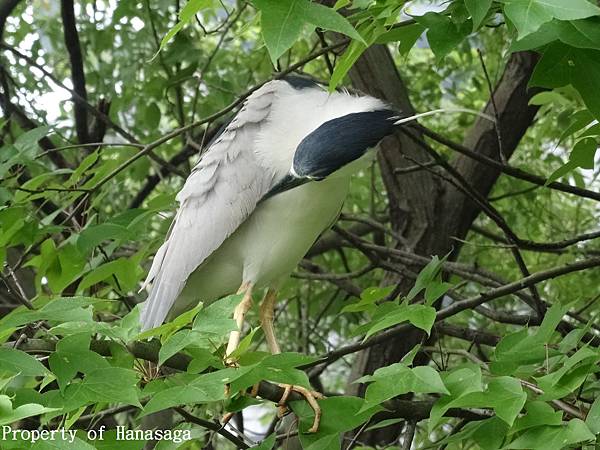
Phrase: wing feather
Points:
(220, 193)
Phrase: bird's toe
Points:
(310, 396)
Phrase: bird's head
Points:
(340, 129)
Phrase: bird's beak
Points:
(288, 182)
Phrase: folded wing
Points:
(220, 193)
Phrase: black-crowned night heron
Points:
(265, 190)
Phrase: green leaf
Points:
(435, 291)
(583, 33)
(244, 344)
(538, 413)
(16, 361)
(397, 379)
(368, 299)
(478, 10)
(87, 162)
(569, 377)
(110, 442)
(27, 143)
(111, 384)
(209, 387)
(175, 343)
(583, 153)
(383, 424)
(279, 368)
(520, 348)
(61, 309)
(340, 414)
(504, 394)
(582, 156)
(281, 25)
(167, 329)
(346, 61)
(406, 36)
(420, 316)
(167, 37)
(443, 34)
(529, 15)
(488, 434)
(96, 234)
(329, 19)
(428, 275)
(203, 359)
(593, 417)
(77, 443)
(152, 115)
(562, 65)
(216, 318)
(73, 355)
(553, 438)
(283, 21)
(369, 31)
(563, 170)
(8, 415)
(548, 97)
(458, 382)
(578, 121)
(267, 443)
(193, 7)
(125, 270)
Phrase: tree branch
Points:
(458, 307)
(77, 73)
(509, 170)
(552, 247)
(6, 9)
(214, 426)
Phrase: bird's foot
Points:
(226, 418)
(232, 364)
(310, 396)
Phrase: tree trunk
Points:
(425, 210)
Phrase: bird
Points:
(264, 191)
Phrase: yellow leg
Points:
(238, 315)
(267, 309)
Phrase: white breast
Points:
(269, 245)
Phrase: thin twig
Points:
(509, 170)
(214, 426)
(494, 107)
(22, 295)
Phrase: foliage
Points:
(83, 215)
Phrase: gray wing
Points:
(220, 193)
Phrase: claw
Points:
(310, 396)
(226, 418)
(254, 391)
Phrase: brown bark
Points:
(425, 210)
